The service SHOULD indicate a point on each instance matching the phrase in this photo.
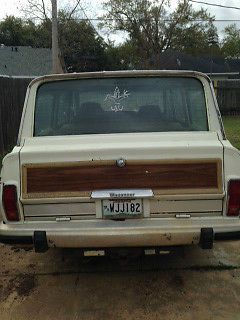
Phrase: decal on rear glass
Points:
(116, 99)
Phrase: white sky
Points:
(13, 7)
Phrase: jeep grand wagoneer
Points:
(120, 159)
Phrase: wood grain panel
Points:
(51, 180)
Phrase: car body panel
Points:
(77, 221)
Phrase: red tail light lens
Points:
(10, 202)
(233, 198)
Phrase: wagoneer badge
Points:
(121, 163)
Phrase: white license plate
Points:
(124, 208)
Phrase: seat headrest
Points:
(86, 110)
(150, 110)
(90, 108)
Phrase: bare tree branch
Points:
(44, 10)
(36, 9)
(74, 9)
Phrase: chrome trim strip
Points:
(122, 194)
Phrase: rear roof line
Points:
(111, 74)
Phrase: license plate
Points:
(123, 208)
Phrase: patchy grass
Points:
(232, 127)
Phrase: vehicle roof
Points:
(111, 74)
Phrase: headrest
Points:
(90, 108)
(150, 110)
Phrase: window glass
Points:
(115, 105)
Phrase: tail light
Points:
(233, 198)
(10, 202)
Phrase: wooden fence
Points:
(228, 96)
(12, 94)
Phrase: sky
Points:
(94, 8)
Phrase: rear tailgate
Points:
(184, 170)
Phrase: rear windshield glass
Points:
(114, 105)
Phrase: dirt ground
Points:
(188, 284)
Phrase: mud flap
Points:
(40, 241)
(206, 238)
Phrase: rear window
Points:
(120, 105)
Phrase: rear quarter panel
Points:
(11, 174)
(231, 166)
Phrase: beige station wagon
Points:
(120, 159)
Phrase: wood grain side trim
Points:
(78, 179)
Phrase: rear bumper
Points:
(129, 233)
(22, 240)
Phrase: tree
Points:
(120, 57)
(43, 36)
(81, 46)
(231, 42)
(197, 38)
(16, 32)
(152, 28)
